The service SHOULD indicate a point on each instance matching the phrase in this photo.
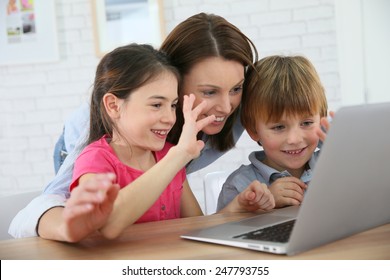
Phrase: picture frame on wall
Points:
(28, 32)
(120, 22)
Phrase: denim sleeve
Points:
(61, 182)
(74, 127)
(60, 153)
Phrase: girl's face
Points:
(289, 143)
(146, 117)
(219, 82)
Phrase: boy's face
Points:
(289, 143)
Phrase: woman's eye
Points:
(157, 105)
(174, 106)
(209, 92)
(237, 90)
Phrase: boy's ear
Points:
(253, 135)
(112, 105)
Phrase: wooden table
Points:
(161, 240)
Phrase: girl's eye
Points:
(174, 106)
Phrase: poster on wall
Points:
(120, 22)
(28, 32)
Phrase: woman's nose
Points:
(224, 104)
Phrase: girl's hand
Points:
(188, 141)
(89, 206)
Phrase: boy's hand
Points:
(288, 191)
(256, 196)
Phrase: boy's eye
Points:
(277, 127)
(307, 123)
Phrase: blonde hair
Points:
(281, 85)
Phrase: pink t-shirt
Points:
(99, 157)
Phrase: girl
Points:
(133, 108)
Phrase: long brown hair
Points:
(199, 37)
(120, 72)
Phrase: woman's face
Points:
(219, 82)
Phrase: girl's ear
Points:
(112, 105)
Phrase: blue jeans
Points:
(60, 152)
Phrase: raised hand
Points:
(188, 141)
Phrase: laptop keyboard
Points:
(277, 233)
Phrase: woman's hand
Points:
(325, 125)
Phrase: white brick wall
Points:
(35, 99)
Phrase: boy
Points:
(282, 106)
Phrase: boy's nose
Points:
(294, 136)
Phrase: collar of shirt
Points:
(270, 174)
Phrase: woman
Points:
(212, 55)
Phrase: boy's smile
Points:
(289, 143)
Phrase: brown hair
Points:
(199, 37)
(120, 72)
(278, 85)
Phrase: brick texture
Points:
(35, 99)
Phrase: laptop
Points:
(349, 191)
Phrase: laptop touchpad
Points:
(262, 220)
